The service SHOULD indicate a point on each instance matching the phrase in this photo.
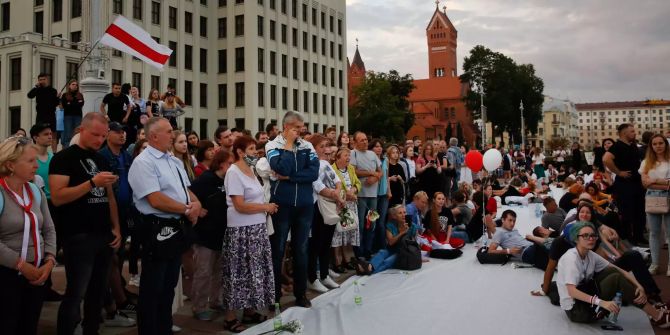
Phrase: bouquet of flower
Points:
(347, 218)
(293, 327)
(372, 216)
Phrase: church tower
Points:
(355, 75)
(441, 36)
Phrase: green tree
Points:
(505, 84)
(381, 108)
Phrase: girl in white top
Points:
(538, 161)
(655, 172)
(580, 268)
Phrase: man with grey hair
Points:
(295, 166)
(454, 161)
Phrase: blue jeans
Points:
(365, 204)
(299, 221)
(379, 234)
(462, 234)
(70, 123)
(656, 223)
(383, 260)
(154, 310)
(537, 255)
(87, 265)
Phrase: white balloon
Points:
(492, 160)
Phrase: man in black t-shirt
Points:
(81, 185)
(118, 105)
(46, 100)
(623, 160)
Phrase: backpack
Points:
(484, 257)
(37, 197)
(445, 253)
(409, 254)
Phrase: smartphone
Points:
(611, 327)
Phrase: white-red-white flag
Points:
(128, 37)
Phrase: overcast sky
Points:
(587, 51)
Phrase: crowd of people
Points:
(251, 219)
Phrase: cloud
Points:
(583, 50)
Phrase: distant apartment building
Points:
(559, 121)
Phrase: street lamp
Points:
(482, 110)
(523, 130)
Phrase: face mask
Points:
(250, 160)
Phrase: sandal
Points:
(234, 326)
(363, 268)
(254, 318)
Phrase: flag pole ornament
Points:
(474, 160)
(125, 36)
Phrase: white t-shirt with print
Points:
(572, 269)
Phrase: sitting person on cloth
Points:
(582, 273)
(385, 259)
(415, 210)
(439, 223)
(512, 243)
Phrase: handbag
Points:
(328, 210)
(348, 221)
(657, 204)
(408, 254)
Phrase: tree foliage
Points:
(381, 108)
(506, 84)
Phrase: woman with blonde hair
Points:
(180, 150)
(153, 103)
(27, 238)
(655, 172)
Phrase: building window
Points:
(117, 76)
(261, 60)
(323, 47)
(203, 2)
(188, 22)
(284, 98)
(305, 71)
(117, 7)
(323, 20)
(72, 71)
(75, 8)
(239, 94)
(283, 6)
(155, 82)
(323, 75)
(314, 17)
(261, 95)
(339, 51)
(295, 99)
(294, 8)
(173, 57)
(188, 57)
(315, 103)
(305, 101)
(273, 96)
(188, 124)
(273, 33)
(239, 123)
(223, 61)
(304, 12)
(332, 106)
(315, 74)
(203, 95)
(332, 49)
(172, 82)
(47, 66)
(155, 12)
(324, 104)
(137, 9)
(332, 77)
(272, 4)
(314, 45)
(203, 60)
(260, 26)
(223, 95)
(172, 17)
(341, 107)
(223, 28)
(261, 124)
(339, 27)
(188, 92)
(273, 62)
(239, 59)
(305, 40)
(57, 10)
(284, 66)
(39, 22)
(75, 38)
(239, 25)
(203, 125)
(203, 26)
(283, 33)
(294, 68)
(341, 79)
(5, 16)
(294, 37)
(136, 80)
(332, 25)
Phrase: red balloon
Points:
(474, 160)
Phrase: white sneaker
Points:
(120, 320)
(333, 274)
(176, 329)
(653, 269)
(329, 283)
(318, 287)
(134, 280)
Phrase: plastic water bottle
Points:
(617, 300)
(358, 300)
(276, 321)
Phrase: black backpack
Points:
(409, 254)
(445, 253)
(484, 257)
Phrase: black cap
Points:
(115, 126)
(38, 128)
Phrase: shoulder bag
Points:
(657, 203)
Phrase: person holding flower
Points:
(343, 241)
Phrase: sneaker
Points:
(318, 287)
(128, 308)
(204, 315)
(653, 269)
(120, 320)
(663, 321)
(303, 302)
(329, 283)
(176, 329)
(134, 280)
(333, 274)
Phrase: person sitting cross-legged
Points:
(512, 243)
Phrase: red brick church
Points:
(437, 102)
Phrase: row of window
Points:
(646, 111)
(46, 66)
(295, 99)
(304, 14)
